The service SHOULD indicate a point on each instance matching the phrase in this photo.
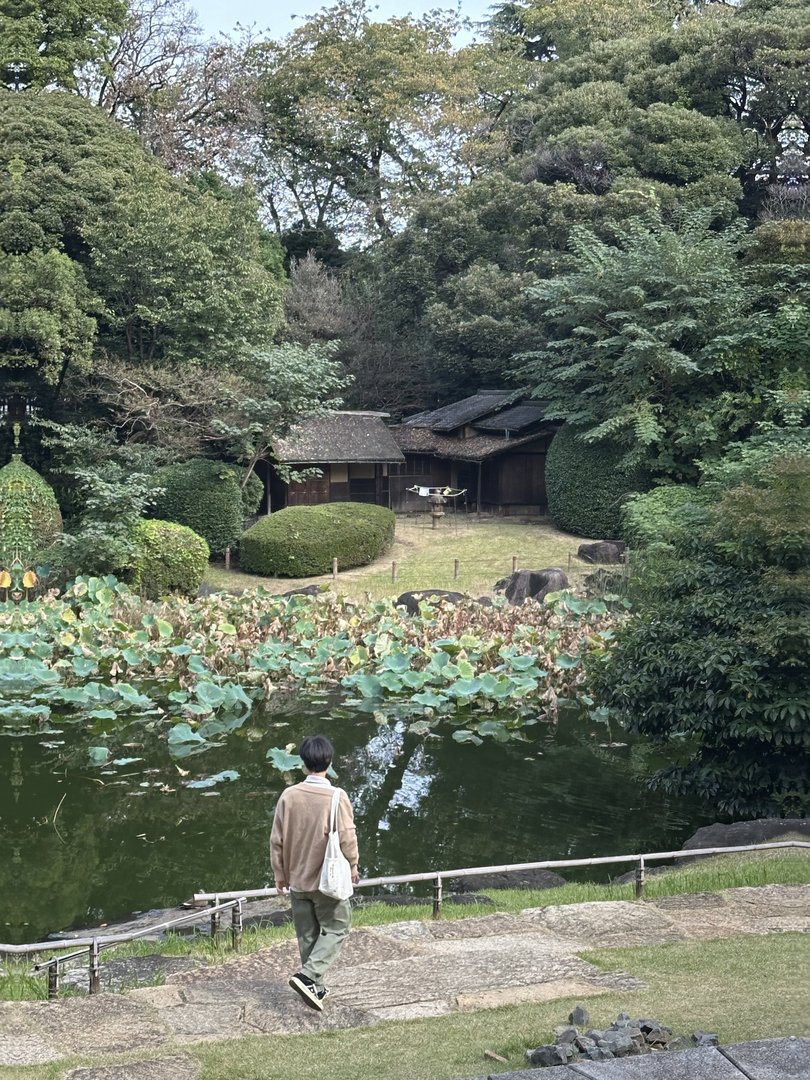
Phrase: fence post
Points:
(334, 569)
(236, 925)
(437, 897)
(639, 882)
(394, 570)
(514, 563)
(456, 564)
(53, 979)
(227, 558)
(215, 916)
(95, 978)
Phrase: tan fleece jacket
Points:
(300, 829)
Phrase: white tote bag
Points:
(336, 874)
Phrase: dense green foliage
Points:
(168, 558)
(650, 342)
(204, 495)
(302, 541)
(29, 514)
(718, 650)
(588, 483)
(43, 44)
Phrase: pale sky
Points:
(275, 15)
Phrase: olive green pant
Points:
(321, 923)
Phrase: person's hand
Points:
(355, 876)
(283, 888)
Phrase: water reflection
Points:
(81, 845)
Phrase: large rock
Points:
(513, 879)
(603, 551)
(532, 584)
(411, 600)
(742, 833)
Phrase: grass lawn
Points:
(425, 558)
(741, 988)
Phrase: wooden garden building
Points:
(353, 452)
(492, 444)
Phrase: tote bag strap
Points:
(334, 811)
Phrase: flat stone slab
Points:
(598, 924)
(176, 1067)
(526, 995)
(771, 1059)
(107, 1024)
(201, 1021)
(26, 1050)
(702, 1063)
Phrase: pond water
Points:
(81, 845)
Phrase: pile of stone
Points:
(625, 1037)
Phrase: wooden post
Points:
(236, 925)
(639, 882)
(53, 979)
(456, 564)
(437, 897)
(227, 558)
(394, 570)
(478, 495)
(95, 976)
(334, 569)
(215, 916)
(514, 563)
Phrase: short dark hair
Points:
(316, 752)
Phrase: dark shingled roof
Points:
(341, 438)
(518, 418)
(462, 412)
(420, 440)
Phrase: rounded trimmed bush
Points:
(587, 484)
(205, 496)
(29, 513)
(170, 558)
(301, 541)
(378, 517)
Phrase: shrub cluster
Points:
(169, 558)
(587, 484)
(301, 541)
(205, 496)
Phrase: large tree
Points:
(358, 117)
(44, 43)
(651, 341)
(102, 248)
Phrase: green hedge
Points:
(170, 558)
(301, 541)
(205, 496)
(252, 492)
(587, 483)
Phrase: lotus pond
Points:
(142, 747)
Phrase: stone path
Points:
(400, 971)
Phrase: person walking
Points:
(297, 849)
